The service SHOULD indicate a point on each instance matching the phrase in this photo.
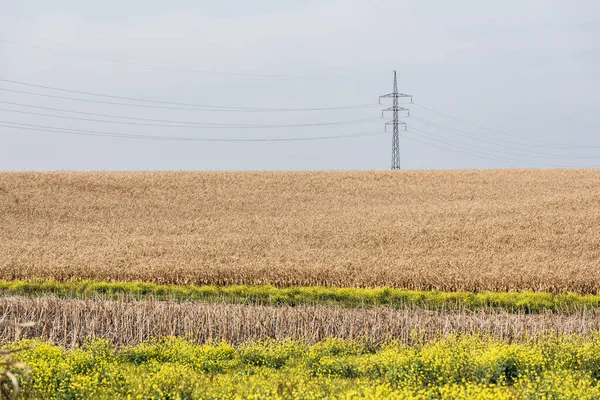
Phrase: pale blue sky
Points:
(528, 68)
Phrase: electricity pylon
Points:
(395, 122)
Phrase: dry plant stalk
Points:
(9, 384)
(70, 322)
(10, 367)
(446, 230)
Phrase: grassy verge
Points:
(452, 367)
(533, 302)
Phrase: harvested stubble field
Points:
(446, 230)
(71, 322)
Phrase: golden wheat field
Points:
(448, 230)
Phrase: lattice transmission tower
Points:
(395, 122)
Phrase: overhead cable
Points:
(427, 135)
(201, 125)
(468, 152)
(561, 145)
(104, 115)
(228, 108)
(477, 138)
(166, 67)
(44, 128)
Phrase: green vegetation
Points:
(532, 302)
(454, 367)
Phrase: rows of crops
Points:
(461, 284)
(491, 230)
(69, 322)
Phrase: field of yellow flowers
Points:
(459, 367)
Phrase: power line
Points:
(474, 154)
(43, 128)
(461, 145)
(474, 137)
(195, 106)
(111, 102)
(200, 125)
(509, 153)
(560, 145)
(166, 67)
(173, 108)
(479, 105)
(110, 115)
(478, 152)
(98, 114)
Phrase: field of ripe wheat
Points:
(446, 230)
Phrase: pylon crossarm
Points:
(395, 108)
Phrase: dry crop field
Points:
(388, 284)
(69, 321)
(446, 230)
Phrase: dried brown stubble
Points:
(448, 230)
(70, 322)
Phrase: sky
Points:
(495, 84)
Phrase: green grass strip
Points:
(532, 302)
